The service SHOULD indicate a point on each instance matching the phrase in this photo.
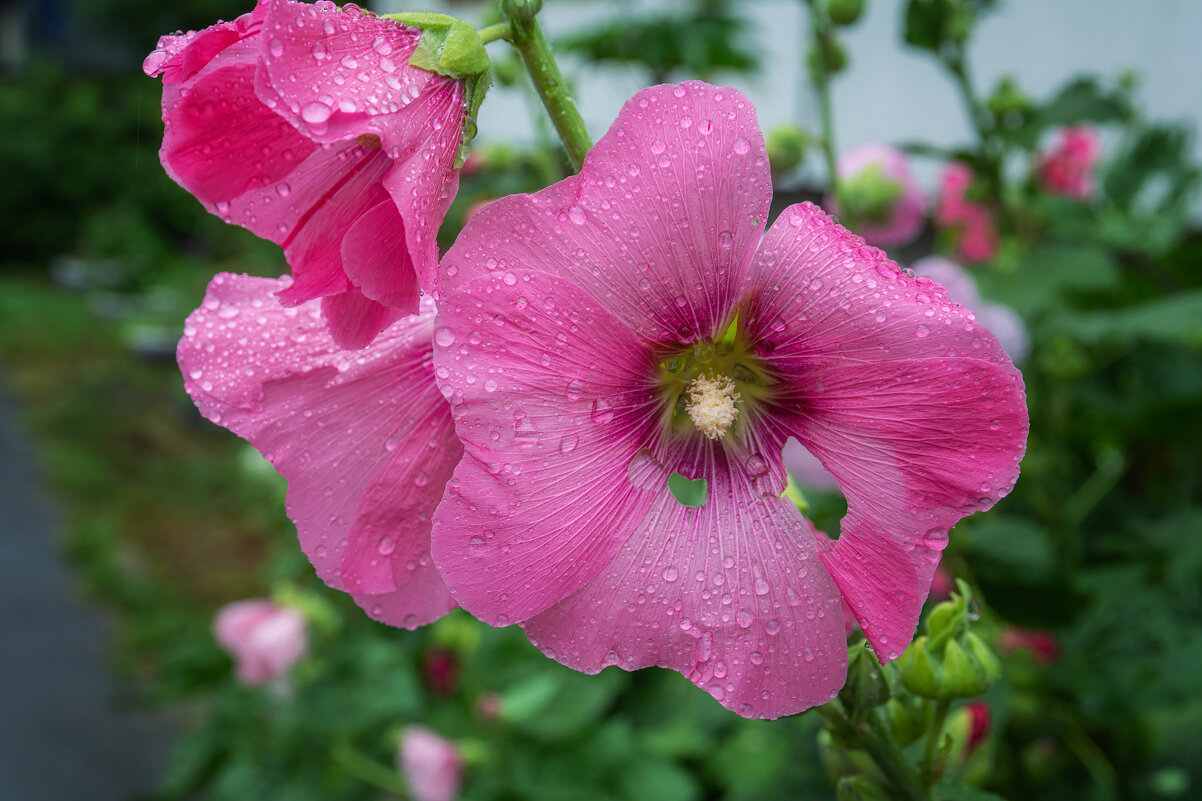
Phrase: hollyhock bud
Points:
(866, 686)
(949, 661)
(264, 638)
(441, 670)
(431, 764)
(786, 145)
(1068, 169)
(971, 222)
(878, 197)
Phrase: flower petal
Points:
(549, 396)
(364, 438)
(916, 445)
(730, 594)
(908, 401)
(376, 260)
(822, 296)
(339, 73)
(354, 320)
(659, 225)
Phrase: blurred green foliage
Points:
(1099, 547)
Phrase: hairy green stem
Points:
(876, 738)
(527, 37)
(502, 30)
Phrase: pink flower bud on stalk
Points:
(973, 223)
(335, 134)
(264, 638)
(880, 199)
(431, 764)
(1068, 169)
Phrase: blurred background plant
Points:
(1075, 211)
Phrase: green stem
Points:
(933, 737)
(876, 738)
(502, 30)
(368, 770)
(527, 37)
(821, 76)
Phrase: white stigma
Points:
(711, 405)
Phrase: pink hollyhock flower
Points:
(363, 437)
(1068, 169)
(635, 321)
(973, 222)
(264, 638)
(885, 204)
(307, 125)
(431, 763)
(1041, 644)
(1001, 320)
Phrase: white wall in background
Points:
(891, 92)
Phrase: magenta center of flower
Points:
(712, 388)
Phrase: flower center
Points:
(711, 387)
(712, 404)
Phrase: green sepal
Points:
(448, 46)
(452, 47)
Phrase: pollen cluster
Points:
(712, 405)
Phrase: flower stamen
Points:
(712, 405)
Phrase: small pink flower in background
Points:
(307, 125)
(363, 437)
(431, 764)
(980, 723)
(1041, 644)
(1001, 320)
(942, 584)
(264, 638)
(1068, 169)
(974, 222)
(879, 175)
(636, 321)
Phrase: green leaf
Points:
(1173, 319)
(559, 702)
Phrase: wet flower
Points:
(1068, 169)
(431, 764)
(363, 437)
(973, 222)
(306, 124)
(264, 638)
(881, 200)
(1002, 321)
(634, 322)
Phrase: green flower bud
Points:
(868, 196)
(866, 686)
(845, 12)
(786, 145)
(949, 661)
(521, 10)
(909, 717)
(1007, 99)
(836, 57)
